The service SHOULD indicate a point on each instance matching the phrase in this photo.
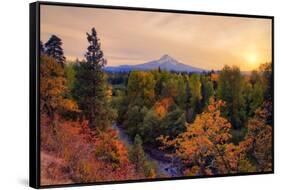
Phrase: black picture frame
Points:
(34, 96)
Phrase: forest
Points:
(111, 126)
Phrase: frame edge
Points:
(34, 166)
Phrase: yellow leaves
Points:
(109, 92)
(141, 87)
(151, 174)
(69, 105)
(246, 166)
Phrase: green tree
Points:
(150, 129)
(70, 73)
(133, 124)
(175, 87)
(53, 49)
(141, 88)
(173, 123)
(254, 93)
(207, 90)
(195, 97)
(90, 87)
(138, 157)
(230, 87)
(256, 97)
(267, 80)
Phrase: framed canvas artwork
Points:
(122, 94)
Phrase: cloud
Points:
(132, 37)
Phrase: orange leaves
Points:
(53, 87)
(205, 149)
(203, 144)
(110, 149)
(214, 77)
(258, 141)
(69, 105)
(161, 107)
(89, 155)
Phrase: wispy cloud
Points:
(132, 37)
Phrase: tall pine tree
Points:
(53, 49)
(90, 89)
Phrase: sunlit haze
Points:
(134, 37)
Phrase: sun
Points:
(252, 59)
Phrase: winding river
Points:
(166, 166)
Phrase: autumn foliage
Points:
(72, 150)
(88, 155)
(97, 126)
(205, 146)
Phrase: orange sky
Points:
(133, 37)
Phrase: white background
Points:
(14, 94)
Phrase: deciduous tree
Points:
(230, 90)
(204, 147)
(53, 88)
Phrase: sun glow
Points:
(252, 59)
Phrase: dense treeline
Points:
(169, 105)
(216, 122)
(145, 92)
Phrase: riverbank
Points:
(166, 166)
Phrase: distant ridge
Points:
(166, 62)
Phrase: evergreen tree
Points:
(90, 88)
(53, 49)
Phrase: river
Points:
(165, 165)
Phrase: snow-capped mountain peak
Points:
(165, 62)
(167, 58)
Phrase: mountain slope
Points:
(165, 63)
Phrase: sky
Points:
(134, 37)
